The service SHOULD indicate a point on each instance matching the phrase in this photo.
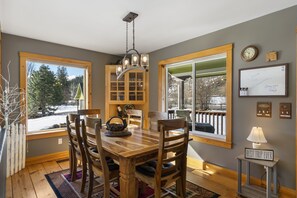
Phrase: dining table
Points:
(129, 151)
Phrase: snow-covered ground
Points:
(37, 124)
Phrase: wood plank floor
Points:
(31, 182)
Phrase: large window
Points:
(198, 87)
(54, 87)
(202, 81)
(53, 91)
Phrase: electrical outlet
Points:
(60, 141)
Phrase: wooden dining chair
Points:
(135, 118)
(89, 112)
(168, 168)
(77, 148)
(98, 163)
(154, 116)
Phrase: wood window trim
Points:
(24, 57)
(162, 88)
(46, 134)
(296, 111)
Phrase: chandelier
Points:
(132, 59)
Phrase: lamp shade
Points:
(257, 135)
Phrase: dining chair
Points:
(77, 151)
(168, 169)
(154, 116)
(89, 112)
(98, 163)
(135, 118)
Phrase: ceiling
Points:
(97, 25)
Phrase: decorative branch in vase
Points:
(12, 111)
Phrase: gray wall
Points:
(12, 45)
(272, 32)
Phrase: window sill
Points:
(212, 141)
(46, 134)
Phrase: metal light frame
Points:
(138, 61)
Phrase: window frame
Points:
(24, 57)
(228, 48)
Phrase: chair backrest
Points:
(135, 117)
(93, 145)
(181, 113)
(89, 112)
(73, 130)
(154, 116)
(172, 148)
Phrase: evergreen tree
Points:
(62, 79)
(43, 92)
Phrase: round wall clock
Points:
(249, 53)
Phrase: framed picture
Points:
(264, 81)
(259, 154)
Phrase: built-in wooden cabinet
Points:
(132, 88)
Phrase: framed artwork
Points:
(259, 154)
(264, 81)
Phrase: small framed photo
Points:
(259, 154)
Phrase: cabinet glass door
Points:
(117, 87)
(136, 86)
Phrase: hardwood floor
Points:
(31, 182)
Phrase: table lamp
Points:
(257, 137)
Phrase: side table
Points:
(252, 191)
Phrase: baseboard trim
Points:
(48, 157)
(196, 164)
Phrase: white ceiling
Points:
(97, 25)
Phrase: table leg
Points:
(127, 177)
(275, 189)
(268, 182)
(239, 171)
(248, 164)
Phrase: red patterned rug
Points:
(63, 188)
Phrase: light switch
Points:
(285, 110)
(264, 109)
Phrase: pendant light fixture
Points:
(132, 59)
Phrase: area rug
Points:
(64, 188)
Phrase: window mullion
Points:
(193, 116)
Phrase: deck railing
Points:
(216, 118)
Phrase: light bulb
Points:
(126, 62)
(134, 58)
(144, 59)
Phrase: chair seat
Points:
(110, 163)
(149, 168)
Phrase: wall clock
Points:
(249, 53)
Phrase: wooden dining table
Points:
(130, 151)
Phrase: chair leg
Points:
(106, 189)
(181, 187)
(137, 189)
(91, 180)
(158, 191)
(84, 176)
(70, 160)
(74, 169)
